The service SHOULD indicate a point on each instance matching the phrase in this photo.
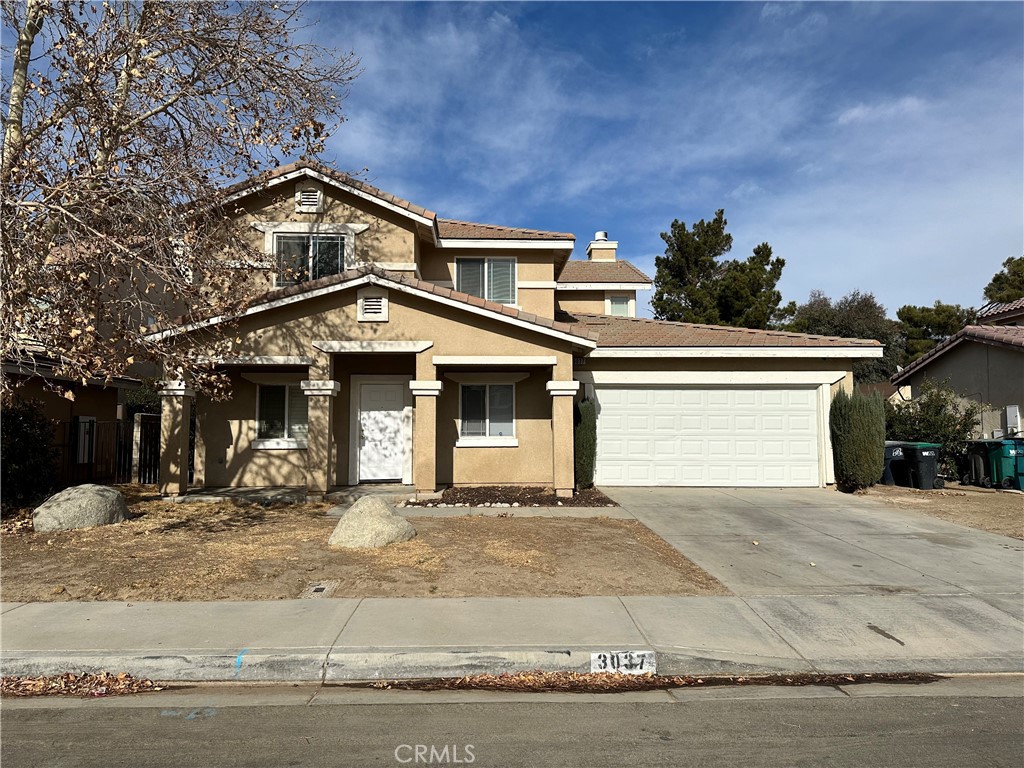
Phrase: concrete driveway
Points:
(820, 542)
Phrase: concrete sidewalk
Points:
(342, 639)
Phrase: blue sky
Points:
(875, 146)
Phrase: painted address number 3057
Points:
(625, 662)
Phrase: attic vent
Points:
(373, 305)
(309, 197)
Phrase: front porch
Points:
(342, 496)
(359, 415)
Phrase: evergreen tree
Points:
(1007, 284)
(927, 326)
(694, 284)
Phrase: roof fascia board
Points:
(639, 285)
(937, 352)
(818, 352)
(291, 176)
(499, 243)
(385, 283)
(710, 378)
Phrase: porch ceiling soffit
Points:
(390, 284)
(490, 361)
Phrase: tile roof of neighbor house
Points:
(1011, 336)
(421, 285)
(641, 332)
(1006, 310)
(468, 230)
(579, 271)
(262, 179)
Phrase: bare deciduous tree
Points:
(123, 121)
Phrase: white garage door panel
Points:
(712, 437)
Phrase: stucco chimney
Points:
(601, 248)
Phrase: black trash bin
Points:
(977, 471)
(923, 463)
(895, 469)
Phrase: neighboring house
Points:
(886, 390)
(86, 432)
(1002, 313)
(396, 345)
(984, 363)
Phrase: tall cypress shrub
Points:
(585, 439)
(857, 426)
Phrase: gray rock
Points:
(81, 506)
(370, 522)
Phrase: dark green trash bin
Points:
(1002, 460)
(923, 463)
(894, 471)
(1018, 479)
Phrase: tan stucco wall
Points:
(530, 463)
(590, 302)
(439, 265)
(93, 400)
(389, 237)
(982, 373)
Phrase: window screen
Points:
(272, 411)
(501, 281)
(619, 306)
(328, 255)
(499, 407)
(292, 259)
(474, 410)
(470, 276)
(298, 418)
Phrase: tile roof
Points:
(1000, 335)
(469, 230)
(641, 332)
(262, 179)
(997, 311)
(421, 285)
(579, 271)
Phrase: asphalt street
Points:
(942, 724)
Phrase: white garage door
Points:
(707, 436)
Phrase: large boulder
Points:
(81, 506)
(370, 522)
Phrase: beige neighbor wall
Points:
(228, 428)
(438, 265)
(90, 400)
(982, 373)
(389, 238)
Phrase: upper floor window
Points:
(491, 279)
(618, 306)
(308, 257)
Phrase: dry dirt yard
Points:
(228, 551)
(999, 512)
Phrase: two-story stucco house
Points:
(397, 345)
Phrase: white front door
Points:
(381, 438)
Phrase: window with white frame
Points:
(618, 306)
(283, 412)
(487, 411)
(308, 257)
(491, 279)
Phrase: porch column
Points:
(562, 448)
(424, 435)
(175, 415)
(320, 396)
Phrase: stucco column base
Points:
(175, 416)
(320, 401)
(562, 448)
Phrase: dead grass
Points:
(229, 551)
(999, 512)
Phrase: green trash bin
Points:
(1018, 480)
(1002, 461)
(923, 463)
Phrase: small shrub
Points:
(937, 415)
(27, 457)
(585, 439)
(857, 426)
